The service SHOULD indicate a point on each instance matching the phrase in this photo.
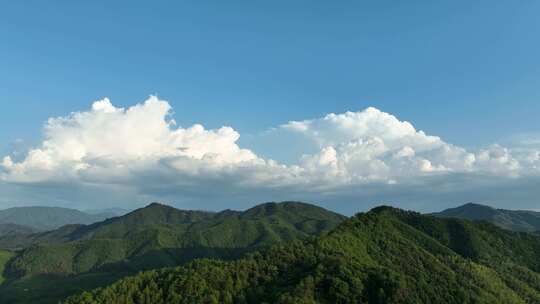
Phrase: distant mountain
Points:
(47, 218)
(384, 256)
(110, 211)
(151, 237)
(516, 220)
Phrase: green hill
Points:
(47, 218)
(152, 237)
(516, 220)
(383, 256)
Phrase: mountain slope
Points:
(47, 218)
(154, 237)
(383, 256)
(146, 237)
(516, 220)
(11, 229)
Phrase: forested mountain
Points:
(48, 218)
(11, 229)
(384, 256)
(148, 238)
(516, 220)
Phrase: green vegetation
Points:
(51, 288)
(4, 258)
(160, 235)
(149, 238)
(383, 256)
(516, 220)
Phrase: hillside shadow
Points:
(51, 288)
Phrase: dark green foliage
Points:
(5, 256)
(51, 288)
(155, 237)
(516, 220)
(384, 256)
(15, 241)
(156, 230)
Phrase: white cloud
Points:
(113, 138)
(334, 129)
(141, 151)
(371, 144)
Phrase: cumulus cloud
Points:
(372, 144)
(120, 139)
(140, 151)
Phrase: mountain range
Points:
(386, 255)
(516, 220)
(80, 257)
(289, 252)
(48, 218)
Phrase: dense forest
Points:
(82, 257)
(384, 256)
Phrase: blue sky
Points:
(467, 72)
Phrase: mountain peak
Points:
(471, 211)
(384, 208)
(290, 208)
(475, 205)
(509, 219)
(157, 205)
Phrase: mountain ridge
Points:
(387, 255)
(156, 236)
(45, 218)
(516, 220)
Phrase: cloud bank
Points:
(121, 155)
